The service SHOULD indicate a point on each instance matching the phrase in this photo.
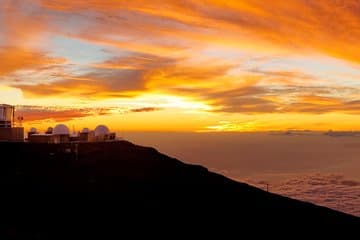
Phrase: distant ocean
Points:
(313, 167)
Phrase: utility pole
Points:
(76, 151)
(20, 119)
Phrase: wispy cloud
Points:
(15, 59)
(38, 113)
(145, 109)
(57, 113)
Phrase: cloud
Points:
(330, 190)
(139, 73)
(136, 61)
(59, 114)
(231, 126)
(246, 100)
(260, 97)
(126, 76)
(117, 80)
(24, 33)
(14, 59)
(174, 26)
(297, 25)
(22, 24)
(282, 77)
(319, 104)
(102, 83)
(145, 109)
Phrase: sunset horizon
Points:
(165, 117)
(182, 66)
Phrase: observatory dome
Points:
(101, 130)
(49, 130)
(85, 130)
(33, 130)
(61, 129)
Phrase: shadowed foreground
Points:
(50, 191)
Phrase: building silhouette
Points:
(59, 134)
(8, 131)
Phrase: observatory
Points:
(32, 131)
(101, 130)
(61, 134)
(50, 130)
(61, 129)
(102, 133)
(47, 137)
(8, 131)
(86, 135)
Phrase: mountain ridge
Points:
(123, 179)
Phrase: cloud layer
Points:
(330, 190)
(62, 114)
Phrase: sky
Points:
(190, 65)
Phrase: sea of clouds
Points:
(330, 190)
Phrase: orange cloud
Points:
(328, 27)
(91, 86)
(119, 77)
(37, 113)
(62, 114)
(14, 59)
(320, 100)
(21, 25)
(127, 76)
(22, 38)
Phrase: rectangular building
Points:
(44, 138)
(12, 134)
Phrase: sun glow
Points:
(205, 65)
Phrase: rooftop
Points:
(6, 105)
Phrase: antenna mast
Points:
(20, 119)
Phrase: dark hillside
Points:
(54, 191)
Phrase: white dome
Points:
(85, 130)
(61, 129)
(101, 130)
(33, 130)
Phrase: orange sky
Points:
(182, 65)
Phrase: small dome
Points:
(101, 130)
(85, 130)
(49, 130)
(33, 130)
(61, 129)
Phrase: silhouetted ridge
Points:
(112, 185)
